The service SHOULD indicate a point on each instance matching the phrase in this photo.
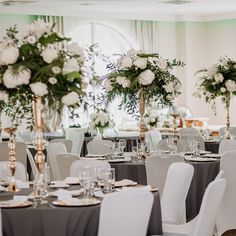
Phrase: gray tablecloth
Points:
(63, 221)
(204, 173)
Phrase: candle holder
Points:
(12, 160)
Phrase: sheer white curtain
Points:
(146, 34)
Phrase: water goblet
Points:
(109, 180)
(122, 144)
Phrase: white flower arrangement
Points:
(151, 118)
(100, 120)
(218, 81)
(39, 62)
(135, 72)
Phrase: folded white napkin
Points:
(21, 184)
(147, 187)
(72, 201)
(125, 182)
(16, 201)
(71, 180)
(59, 184)
(62, 192)
(199, 159)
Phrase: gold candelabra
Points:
(12, 160)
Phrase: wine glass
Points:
(122, 144)
(109, 180)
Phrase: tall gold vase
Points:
(39, 157)
(227, 103)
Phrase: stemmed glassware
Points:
(122, 144)
(109, 180)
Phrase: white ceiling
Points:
(193, 10)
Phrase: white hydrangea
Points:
(108, 85)
(13, 78)
(71, 65)
(219, 78)
(127, 62)
(162, 63)
(3, 96)
(230, 85)
(70, 99)
(146, 77)
(170, 88)
(140, 62)
(52, 80)
(9, 55)
(49, 54)
(39, 89)
(75, 49)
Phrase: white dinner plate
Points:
(76, 202)
(125, 159)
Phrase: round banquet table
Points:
(63, 221)
(204, 173)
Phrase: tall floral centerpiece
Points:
(219, 81)
(39, 67)
(139, 78)
(100, 120)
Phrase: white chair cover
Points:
(125, 213)
(1, 231)
(20, 150)
(197, 138)
(98, 147)
(67, 142)
(53, 149)
(204, 223)
(20, 173)
(64, 162)
(157, 167)
(173, 197)
(77, 141)
(227, 145)
(152, 139)
(77, 167)
(187, 131)
(226, 219)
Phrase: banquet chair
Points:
(157, 167)
(79, 166)
(187, 131)
(20, 173)
(77, 141)
(1, 231)
(203, 224)
(226, 219)
(98, 147)
(197, 138)
(66, 142)
(232, 130)
(20, 150)
(181, 145)
(152, 138)
(227, 145)
(64, 162)
(125, 213)
(53, 149)
(32, 163)
(178, 179)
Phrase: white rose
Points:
(56, 70)
(219, 78)
(71, 65)
(120, 79)
(70, 98)
(169, 87)
(39, 27)
(146, 77)
(39, 89)
(75, 49)
(13, 78)
(223, 90)
(127, 62)
(126, 83)
(230, 85)
(49, 54)
(141, 62)
(52, 80)
(31, 39)
(3, 96)
(108, 85)
(162, 63)
(9, 55)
